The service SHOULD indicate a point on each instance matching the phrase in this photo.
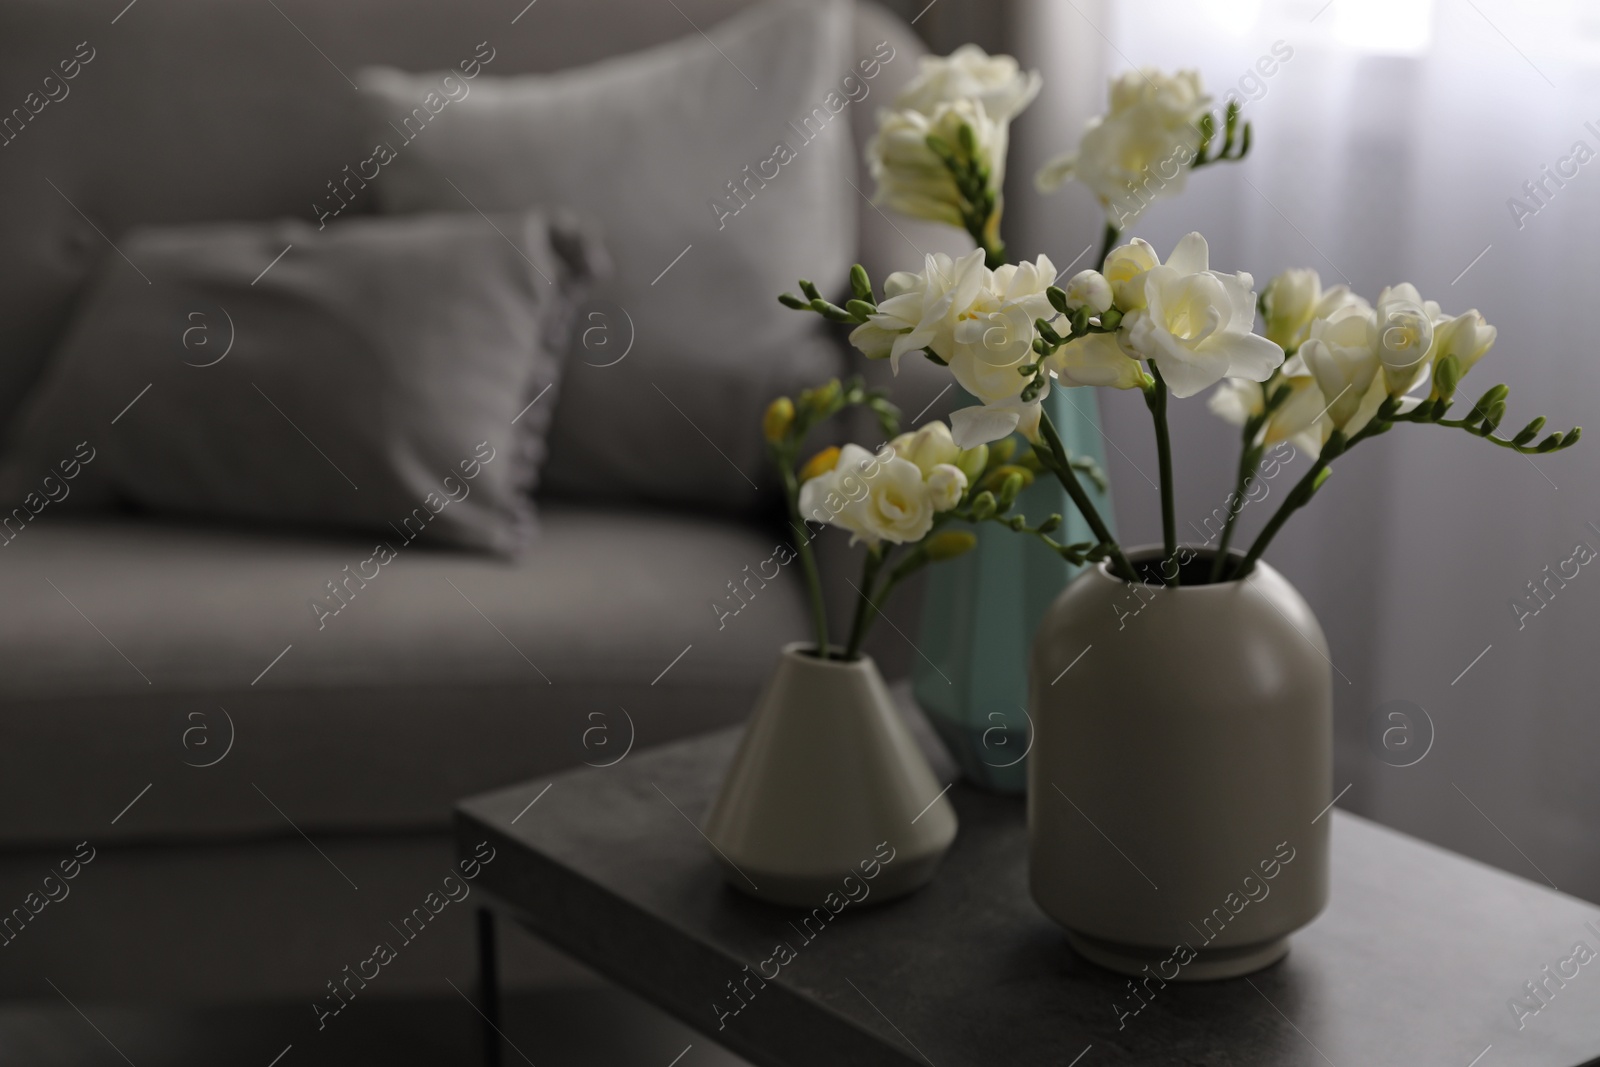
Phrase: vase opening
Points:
(835, 655)
(1194, 566)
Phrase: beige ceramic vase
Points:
(827, 782)
(1181, 767)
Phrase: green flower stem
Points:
(866, 609)
(1248, 458)
(1107, 243)
(808, 561)
(1062, 466)
(1155, 398)
(1302, 492)
(994, 249)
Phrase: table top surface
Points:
(1414, 961)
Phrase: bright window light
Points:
(1394, 27)
(1232, 16)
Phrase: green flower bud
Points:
(983, 506)
(860, 284)
(1446, 376)
(995, 480)
(973, 461)
(1011, 486)
(1529, 432)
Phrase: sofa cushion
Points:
(377, 374)
(721, 166)
(131, 654)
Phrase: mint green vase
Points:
(981, 611)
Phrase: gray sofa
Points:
(262, 796)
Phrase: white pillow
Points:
(648, 144)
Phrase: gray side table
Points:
(1413, 962)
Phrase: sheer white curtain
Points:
(1390, 147)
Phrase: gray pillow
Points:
(676, 152)
(374, 375)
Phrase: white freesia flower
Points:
(946, 486)
(921, 310)
(1287, 304)
(1467, 337)
(994, 334)
(835, 497)
(990, 348)
(1300, 418)
(1405, 336)
(929, 446)
(1139, 150)
(1125, 267)
(1195, 324)
(982, 423)
(898, 507)
(888, 496)
(912, 179)
(1096, 359)
(1089, 289)
(1342, 355)
(969, 73)
(1294, 299)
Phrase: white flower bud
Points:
(1089, 289)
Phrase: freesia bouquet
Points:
(897, 501)
(1330, 370)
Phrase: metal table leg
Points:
(488, 988)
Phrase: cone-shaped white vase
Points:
(826, 775)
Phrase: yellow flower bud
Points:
(821, 463)
(949, 545)
(820, 400)
(779, 417)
